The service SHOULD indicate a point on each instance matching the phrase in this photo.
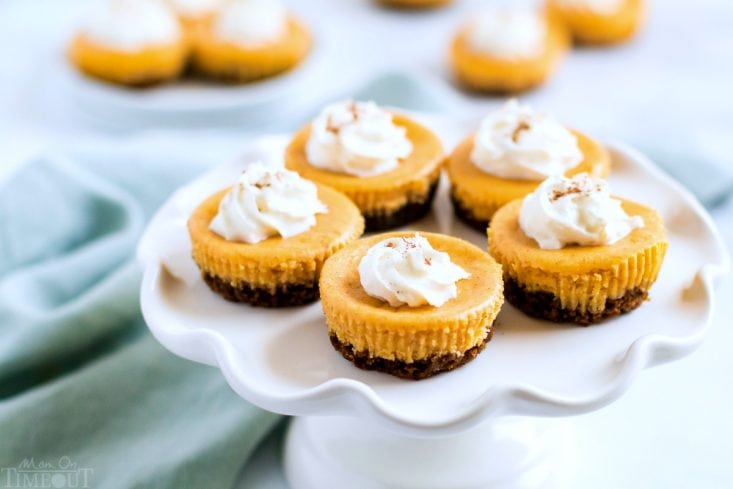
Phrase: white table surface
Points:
(674, 428)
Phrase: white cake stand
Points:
(469, 428)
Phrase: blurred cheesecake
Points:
(249, 40)
(130, 42)
(507, 50)
(599, 21)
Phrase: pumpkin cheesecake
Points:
(599, 22)
(508, 50)
(130, 42)
(572, 253)
(248, 40)
(264, 240)
(388, 164)
(513, 150)
(411, 305)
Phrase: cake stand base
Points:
(506, 453)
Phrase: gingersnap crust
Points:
(418, 370)
(464, 214)
(410, 212)
(284, 295)
(546, 305)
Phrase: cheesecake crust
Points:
(283, 295)
(417, 370)
(464, 214)
(546, 305)
(411, 211)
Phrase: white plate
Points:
(193, 102)
(282, 360)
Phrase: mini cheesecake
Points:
(578, 283)
(272, 271)
(591, 26)
(389, 199)
(477, 194)
(503, 68)
(249, 40)
(410, 341)
(132, 43)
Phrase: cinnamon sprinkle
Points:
(522, 126)
(409, 244)
(334, 128)
(558, 194)
(331, 127)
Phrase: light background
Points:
(669, 92)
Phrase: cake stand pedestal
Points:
(474, 427)
(510, 453)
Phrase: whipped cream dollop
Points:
(604, 7)
(409, 271)
(266, 202)
(131, 25)
(575, 211)
(357, 138)
(193, 8)
(508, 33)
(251, 23)
(518, 143)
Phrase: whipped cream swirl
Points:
(409, 271)
(603, 7)
(193, 8)
(508, 33)
(575, 211)
(357, 138)
(516, 142)
(251, 23)
(266, 202)
(131, 25)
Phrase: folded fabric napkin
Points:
(83, 384)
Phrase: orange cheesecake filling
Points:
(379, 194)
(583, 278)
(588, 27)
(229, 61)
(150, 65)
(274, 261)
(482, 72)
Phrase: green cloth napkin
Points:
(83, 384)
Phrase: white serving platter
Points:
(194, 102)
(282, 360)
